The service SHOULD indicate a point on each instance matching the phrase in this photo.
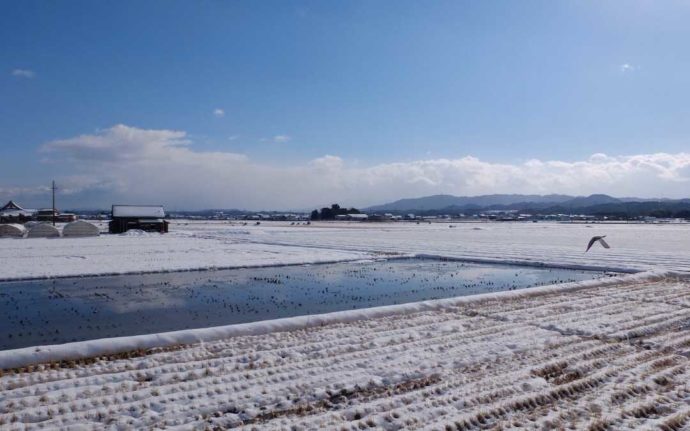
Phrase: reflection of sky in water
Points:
(57, 311)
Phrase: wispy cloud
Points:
(233, 137)
(219, 113)
(163, 166)
(23, 73)
(280, 139)
(627, 67)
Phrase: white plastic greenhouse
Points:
(43, 230)
(80, 228)
(12, 230)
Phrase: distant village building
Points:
(381, 217)
(148, 218)
(13, 213)
(48, 213)
(352, 217)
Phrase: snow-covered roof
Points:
(11, 205)
(15, 213)
(139, 211)
(11, 209)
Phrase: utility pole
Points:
(54, 188)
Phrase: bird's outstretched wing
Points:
(591, 242)
(601, 240)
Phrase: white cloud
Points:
(23, 191)
(328, 162)
(280, 139)
(129, 164)
(23, 73)
(219, 113)
(121, 143)
(233, 137)
(626, 67)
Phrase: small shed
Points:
(149, 218)
(12, 230)
(43, 230)
(80, 228)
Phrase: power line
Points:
(54, 189)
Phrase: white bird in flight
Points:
(595, 239)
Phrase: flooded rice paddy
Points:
(73, 309)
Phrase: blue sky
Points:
(375, 86)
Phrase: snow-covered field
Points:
(614, 356)
(592, 355)
(186, 248)
(207, 245)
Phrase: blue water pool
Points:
(72, 309)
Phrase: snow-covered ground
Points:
(186, 248)
(602, 354)
(206, 245)
(614, 356)
(633, 246)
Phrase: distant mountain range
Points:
(536, 204)
(437, 202)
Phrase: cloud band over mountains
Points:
(129, 164)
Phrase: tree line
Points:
(330, 213)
